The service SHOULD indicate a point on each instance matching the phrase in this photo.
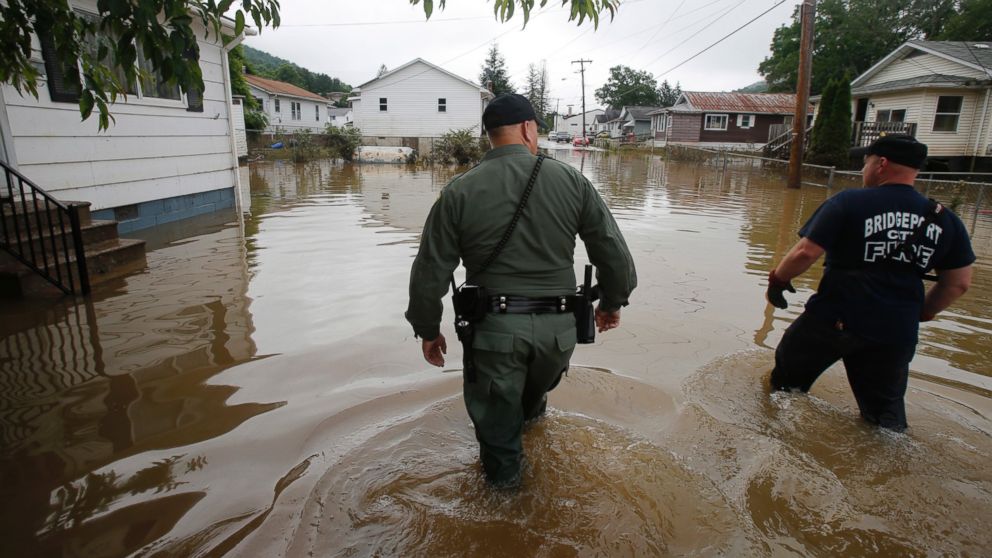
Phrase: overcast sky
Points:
(350, 39)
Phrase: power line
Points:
(727, 36)
(377, 23)
(694, 35)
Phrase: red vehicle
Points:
(580, 141)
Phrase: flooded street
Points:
(257, 392)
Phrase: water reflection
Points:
(256, 392)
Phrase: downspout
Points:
(981, 129)
(229, 99)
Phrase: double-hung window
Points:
(316, 112)
(382, 104)
(948, 113)
(745, 121)
(275, 104)
(891, 115)
(442, 104)
(715, 122)
(295, 109)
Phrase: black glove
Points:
(776, 287)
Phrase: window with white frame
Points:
(294, 108)
(891, 115)
(316, 112)
(745, 121)
(383, 104)
(662, 122)
(275, 104)
(715, 122)
(948, 113)
(442, 104)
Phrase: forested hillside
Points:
(264, 64)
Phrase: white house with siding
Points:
(939, 90)
(417, 101)
(572, 123)
(166, 156)
(288, 107)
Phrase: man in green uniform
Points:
(521, 348)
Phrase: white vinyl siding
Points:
(151, 150)
(911, 102)
(922, 65)
(412, 95)
(296, 113)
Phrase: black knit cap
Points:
(509, 108)
(898, 148)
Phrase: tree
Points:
(972, 22)
(99, 55)
(290, 74)
(668, 95)
(494, 74)
(628, 87)
(831, 137)
(504, 9)
(852, 35)
(537, 88)
(382, 70)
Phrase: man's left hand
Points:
(435, 349)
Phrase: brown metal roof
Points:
(282, 88)
(761, 103)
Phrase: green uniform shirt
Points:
(473, 212)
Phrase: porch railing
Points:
(866, 132)
(779, 147)
(27, 213)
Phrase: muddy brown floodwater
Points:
(256, 392)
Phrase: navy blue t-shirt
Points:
(875, 300)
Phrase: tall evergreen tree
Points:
(831, 137)
(537, 88)
(668, 95)
(494, 74)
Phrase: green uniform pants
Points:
(518, 358)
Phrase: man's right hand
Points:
(607, 320)
(776, 287)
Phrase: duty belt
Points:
(510, 304)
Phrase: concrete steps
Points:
(33, 231)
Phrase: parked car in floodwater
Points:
(564, 137)
(580, 141)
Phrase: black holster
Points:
(470, 303)
(585, 315)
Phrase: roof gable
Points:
(966, 53)
(430, 66)
(276, 87)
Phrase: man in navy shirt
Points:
(879, 242)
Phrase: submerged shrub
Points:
(462, 147)
(342, 141)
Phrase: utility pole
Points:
(582, 70)
(808, 12)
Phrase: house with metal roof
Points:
(416, 103)
(939, 91)
(724, 119)
(288, 107)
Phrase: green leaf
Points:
(239, 23)
(86, 104)
(428, 8)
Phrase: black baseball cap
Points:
(898, 148)
(509, 108)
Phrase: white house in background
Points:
(573, 123)
(416, 102)
(941, 91)
(340, 116)
(289, 108)
(166, 156)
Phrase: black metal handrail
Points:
(26, 211)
